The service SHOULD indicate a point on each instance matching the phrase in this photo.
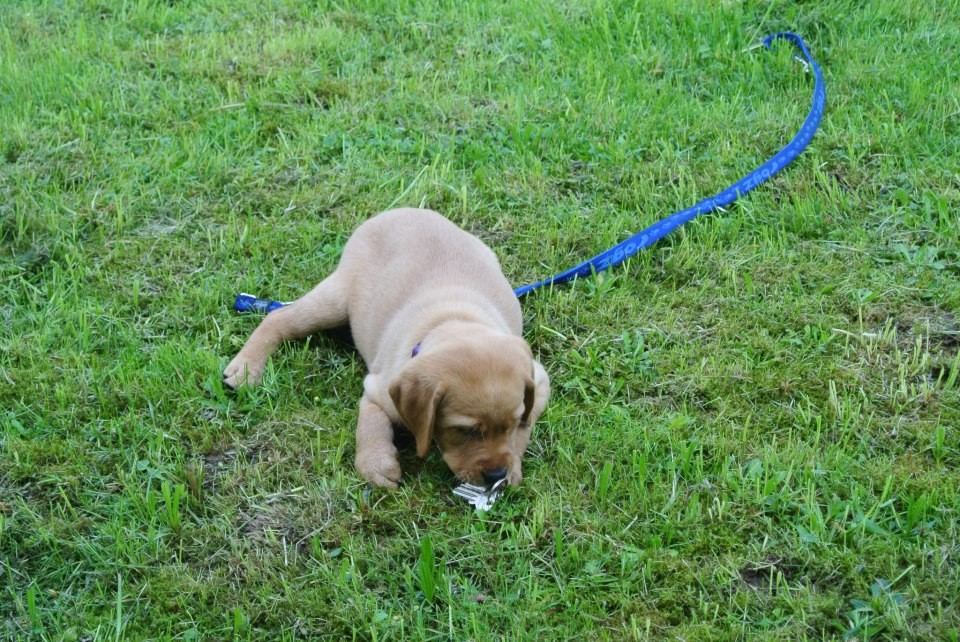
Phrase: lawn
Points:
(755, 427)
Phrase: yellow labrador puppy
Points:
(439, 328)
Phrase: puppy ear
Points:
(536, 394)
(529, 394)
(416, 399)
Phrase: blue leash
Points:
(645, 238)
(626, 249)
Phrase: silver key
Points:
(481, 497)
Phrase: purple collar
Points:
(416, 350)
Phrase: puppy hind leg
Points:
(322, 308)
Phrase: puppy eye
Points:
(471, 432)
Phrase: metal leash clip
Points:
(481, 497)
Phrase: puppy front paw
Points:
(379, 468)
(242, 372)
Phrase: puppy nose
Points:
(493, 476)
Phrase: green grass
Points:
(754, 429)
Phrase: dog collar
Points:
(415, 351)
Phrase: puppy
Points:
(438, 327)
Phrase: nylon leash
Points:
(647, 237)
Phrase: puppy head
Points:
(473, 396)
